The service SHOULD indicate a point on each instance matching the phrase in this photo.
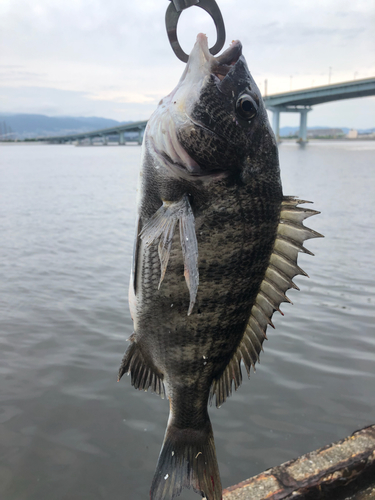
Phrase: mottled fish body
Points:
(216, 249)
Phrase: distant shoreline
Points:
(132, 143)
(339, 139)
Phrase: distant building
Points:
(325, 133)
(352, 134)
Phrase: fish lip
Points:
(221, 65)
(229, 57)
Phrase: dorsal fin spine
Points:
(237, 370)
(263, 300)
(290, 268)
(248, 362)
(273, 291)
(255, 327)
(281, 276)
(282, 268)
(250, 348)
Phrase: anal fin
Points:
(143, 376)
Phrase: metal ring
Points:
(171, 20)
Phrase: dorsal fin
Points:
(282, 268)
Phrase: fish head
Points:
(214, 123)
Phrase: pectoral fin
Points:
(165, 245)
(162, 225)
(189, 247)
(135, 255)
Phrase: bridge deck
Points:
(319, 95)
(119, 129)
(297, 101)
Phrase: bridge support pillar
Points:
(276, 110)
(302, 135)
(121, 139)
(276, 123)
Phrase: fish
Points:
(215, 251)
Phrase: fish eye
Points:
(246, 107)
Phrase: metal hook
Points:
(173, 13)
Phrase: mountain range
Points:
(28, 126)
(22, 126)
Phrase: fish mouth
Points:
(218, 68)
(222, 64)
(177, 108)
(202, 62)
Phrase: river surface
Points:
(68, 430)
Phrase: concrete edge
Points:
(318, 474)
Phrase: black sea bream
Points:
(216, 249)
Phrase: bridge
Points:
(103, 134)
(300, 101)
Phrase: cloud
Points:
(16, 74)
(107, 57)
(56, 102)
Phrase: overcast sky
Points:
(112, 58)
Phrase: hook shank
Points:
(173, 13)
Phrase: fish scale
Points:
(216, 250)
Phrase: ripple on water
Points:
(66, 220)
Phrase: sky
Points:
(112, 58)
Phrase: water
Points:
(68, 431)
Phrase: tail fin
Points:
(187, 459)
